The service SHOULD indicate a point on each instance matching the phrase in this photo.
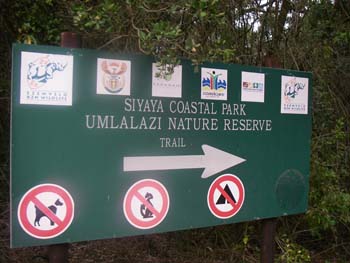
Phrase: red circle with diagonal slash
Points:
(31, 197)
(134, 194)
(217, 187)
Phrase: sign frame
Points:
(84, 146)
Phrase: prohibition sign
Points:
(146, 204)
(45, 211)
(225, 196)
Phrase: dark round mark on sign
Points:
(45, 211)
(290, 189)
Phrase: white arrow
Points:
(213, 161)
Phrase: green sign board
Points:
(109, 145)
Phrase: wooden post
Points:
(268, 240)
(59, 253)
(269, 225)
(70, 40)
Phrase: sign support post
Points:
(269, 225)
(268, 240)
(58, 253)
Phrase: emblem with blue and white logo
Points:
(46, 79)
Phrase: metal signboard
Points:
(109, 145)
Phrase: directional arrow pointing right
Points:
(213, 161)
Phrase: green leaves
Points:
(32, 26)
(104, 16)
(160, 40)
(292, 252)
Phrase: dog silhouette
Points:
(145, 212)
(39, 214)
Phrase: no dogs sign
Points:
(46, 211)
(146, 204)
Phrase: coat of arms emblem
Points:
(114, 75)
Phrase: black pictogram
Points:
(222, 199)
(39, 214)
(39, 202)
(145, 212)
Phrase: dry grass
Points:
(183, 246)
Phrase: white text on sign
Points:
(172, 142)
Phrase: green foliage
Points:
(37, 22)
(159, 41)
(99, 17)
(329, 191)
(322, 45)
(191, 29)
(329, 196)
(292, 252)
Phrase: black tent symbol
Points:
(222, 200)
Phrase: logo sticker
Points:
(113, 77)
(214, 84)
(46, 79)
(165, 82)
(294, 95)
(252, 87)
